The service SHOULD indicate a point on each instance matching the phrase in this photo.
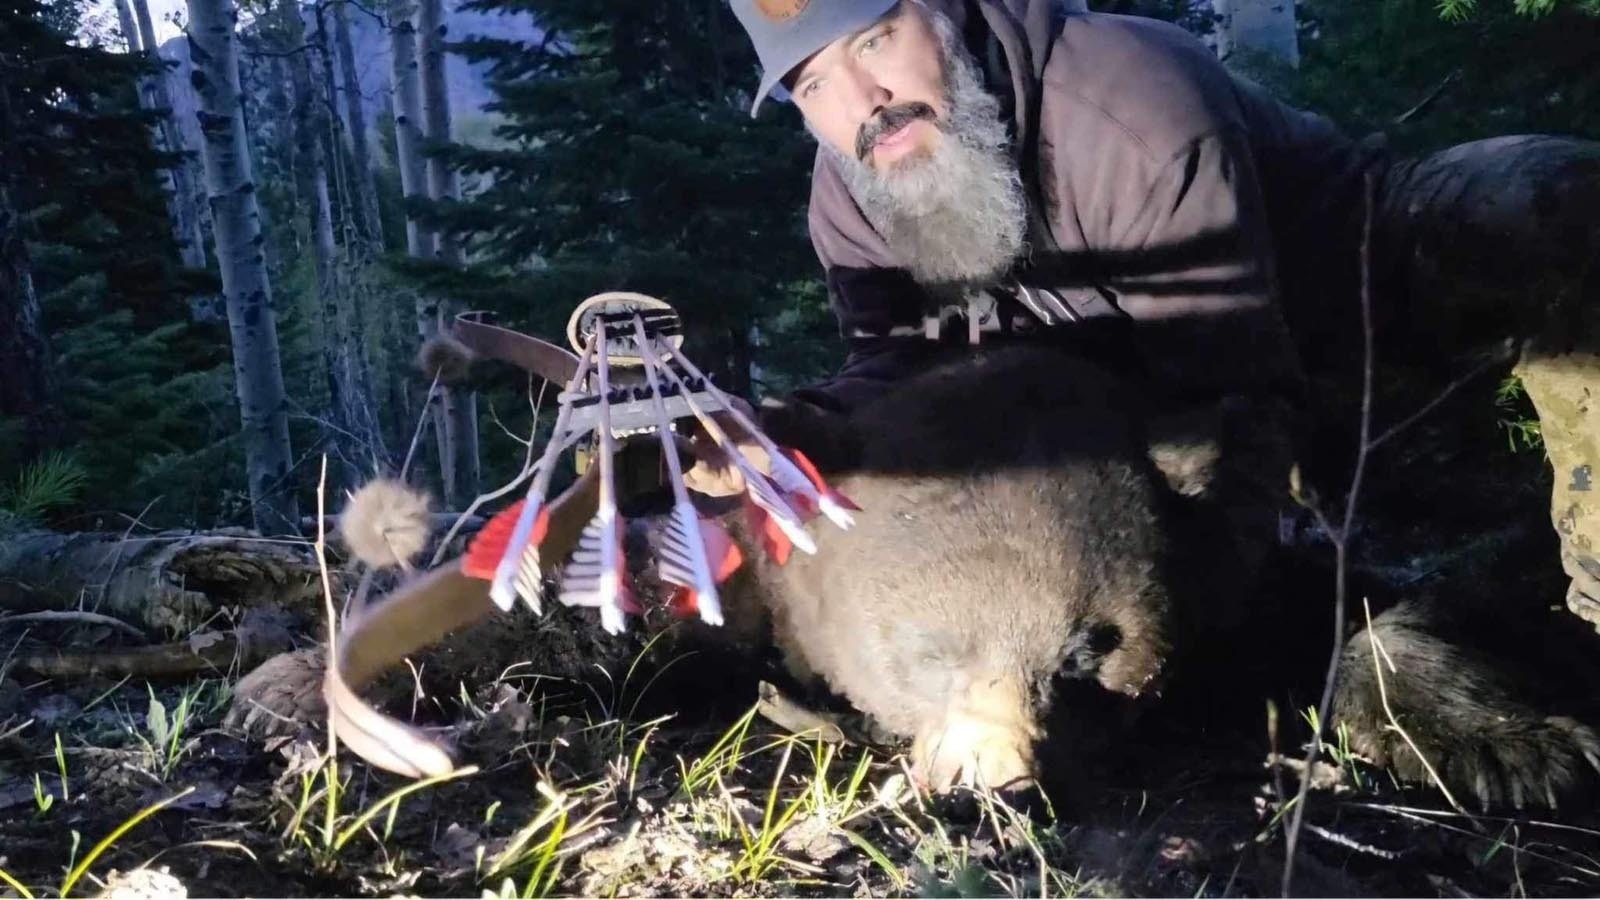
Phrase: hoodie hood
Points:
(1011, 41)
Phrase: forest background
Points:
(405, 161)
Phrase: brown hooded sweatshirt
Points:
(1166, 193)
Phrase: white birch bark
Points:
(257, 368)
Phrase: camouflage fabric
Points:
(1565, 390)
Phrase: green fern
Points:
(46, 484)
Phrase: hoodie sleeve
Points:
(1190, 260)
(869, 292)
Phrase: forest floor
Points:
(652, 782)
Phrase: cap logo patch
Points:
(781, 10)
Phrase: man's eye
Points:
(875, 42)
(809, 88)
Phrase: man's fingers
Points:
(713, 473)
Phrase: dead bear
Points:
(1016, 539)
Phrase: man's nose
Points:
(865, 94)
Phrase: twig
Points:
(1379, 657)
(1350, 843)
(416, 436)
(1341, 537)
(1341, 545)
(1410, 816)
(321, 547)
(1424, 811)
(1425, 102)
(1504, 354)
(527, 470)
(279, 53)
(366, 9)
(86, 618)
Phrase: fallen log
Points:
(171, 582)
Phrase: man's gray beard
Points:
(956, 216)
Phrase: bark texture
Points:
(170, 582)
(363, 185)
(357, 436)
(460, 406)
(181, 178)
(236, 217)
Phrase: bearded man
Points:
(993, 170)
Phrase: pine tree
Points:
(1395, 66)
(628, 160)
(134, 380)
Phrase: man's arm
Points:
(868, 303)
(1191, 263)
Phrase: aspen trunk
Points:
(186, 198)
(406, 96)
(461, 407)
(357, 437)
(1261, 27)
(363, 184)
(130, 31)
(236, 218)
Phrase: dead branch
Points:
(217, 653)
(74, 617)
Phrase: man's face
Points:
(902, 111)
(874, 95)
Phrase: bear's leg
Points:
(1477, 720)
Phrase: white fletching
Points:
(593, 576)
(682, 552)
(762, 493)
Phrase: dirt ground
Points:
(659, 779)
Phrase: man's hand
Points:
(825, 437)
(713, 474)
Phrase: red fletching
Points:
(810, 471)
(804, 508)
(489, 545)
(773, 540)
(684, 603)
(721, 552)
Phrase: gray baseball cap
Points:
(786, 32)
